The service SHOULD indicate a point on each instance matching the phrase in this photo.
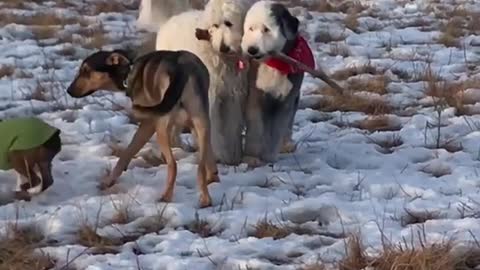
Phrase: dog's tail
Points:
(154, 13)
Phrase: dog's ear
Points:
(115, 59)
(288, 23)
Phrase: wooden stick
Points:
(202, 34)
(317, 73)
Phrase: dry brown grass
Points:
(39, 93)
(108, 6)
(122, 214)
(44, 32)
(473, 22)
(404, 257)
(87, 236)
(346, 73)
(339, 49)
(351, 21)
(469, 19)
(265, 228)
(355, 257)
(327, 37)
(96, 40)
(433, 257)
(377, 123)
(18, 249)
(352, 103)
(374, 84)
(6, 71)
(450, 146)
(38, 19)
(387, 144)
(452, 31)
(67, 51)
(417, 217)
(450, 94)
(13, 4)
(201, 227)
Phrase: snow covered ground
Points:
(380, 162)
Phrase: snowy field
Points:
(396, 160)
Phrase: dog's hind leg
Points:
(23, 163)
(288, 145)
(197, 110)
(46, 172)
(205, 160)
(144, 132)
(163, 140)
(45, 157)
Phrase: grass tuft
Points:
(418, 217)
(19, 249)
(87, 236)
(6, 71)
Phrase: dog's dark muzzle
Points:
(224, 48)
(76, 92)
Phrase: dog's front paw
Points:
(205, 201)
(253, 162)
(166, 197)
(106, 183)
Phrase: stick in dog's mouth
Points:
(202, 34)
(317, 73)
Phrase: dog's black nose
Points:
(224, 48)
(252, 50)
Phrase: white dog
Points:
(273, 98)
(228, 90)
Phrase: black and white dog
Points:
(275, 85)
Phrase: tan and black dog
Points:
(28, 145)
(168, 89)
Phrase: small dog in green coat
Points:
(28, 145)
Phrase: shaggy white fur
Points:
(262, 35)
(262, 31)
(273, 100)
(228, 87)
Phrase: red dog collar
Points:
(301, 52)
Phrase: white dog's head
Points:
(224, 21)
(268, 27)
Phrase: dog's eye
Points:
(215, 25)
(250, 29)
(228, 24)
(266, 30)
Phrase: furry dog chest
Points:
(272, 75)
(22, 134)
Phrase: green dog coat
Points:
(22, 134)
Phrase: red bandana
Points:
(301, 52)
